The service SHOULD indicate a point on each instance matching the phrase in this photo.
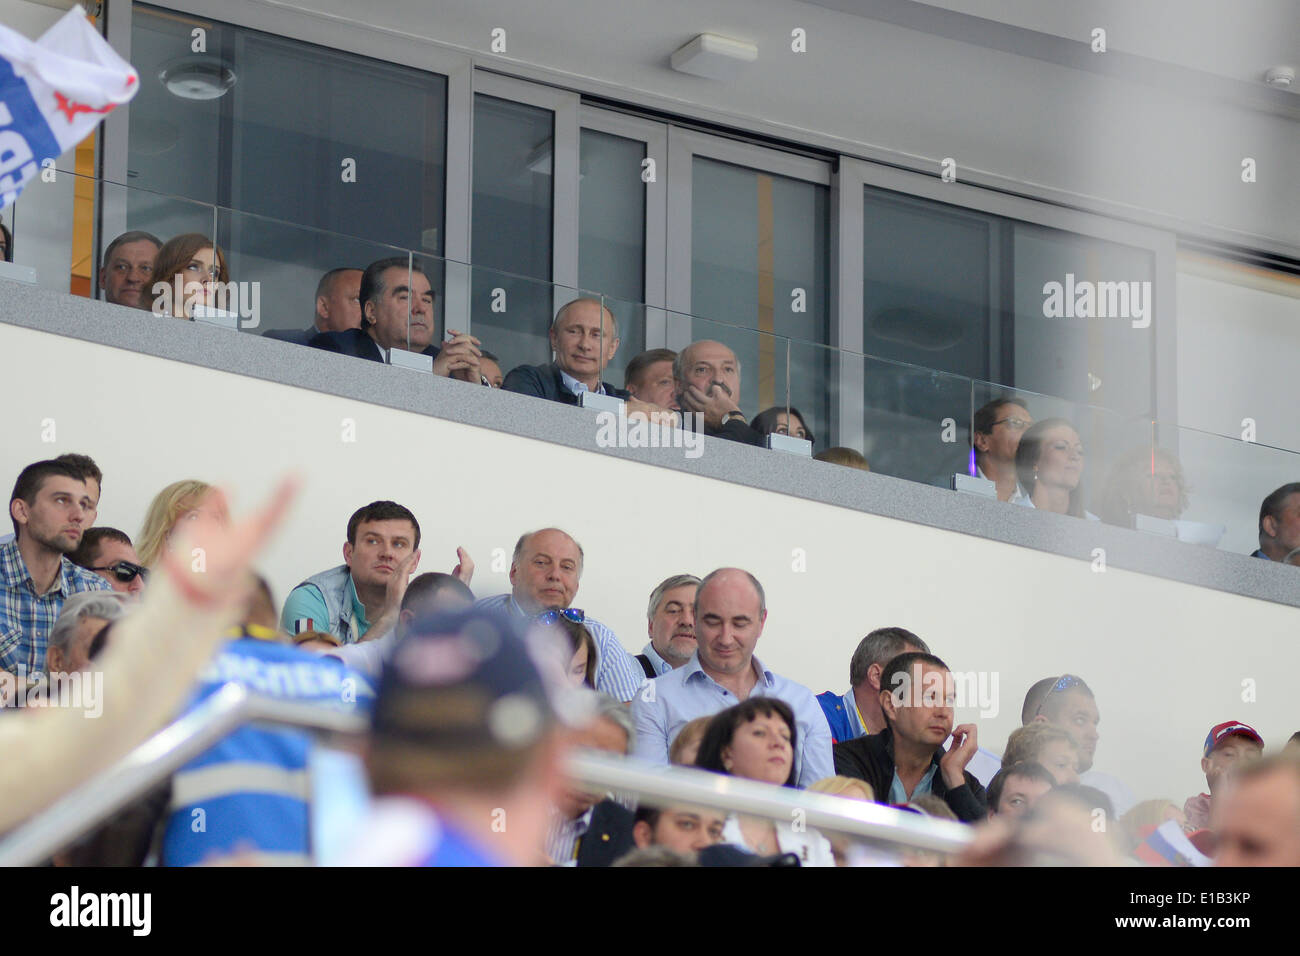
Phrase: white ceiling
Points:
(1238, 39)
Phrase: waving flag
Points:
(53, 92)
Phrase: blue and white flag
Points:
(53, 92)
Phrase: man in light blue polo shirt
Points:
(544, 574)
(361, 599)
(730, 612)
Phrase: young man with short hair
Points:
(50, 507)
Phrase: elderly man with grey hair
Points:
(544, 574)
(730, 614)
(593, 829)
(671, 617)
(857, 713)
(71, 641)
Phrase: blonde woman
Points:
(189, 502)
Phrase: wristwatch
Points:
(730, 415)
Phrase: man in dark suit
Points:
(708, 384)
(591, 829)
(907, 759)
(397, 313)
(338, 307)
(584, 338)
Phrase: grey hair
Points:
(108, 605)
(619, 714)
(657, 595)
(762, 597)
(880, 647)
(523, 540)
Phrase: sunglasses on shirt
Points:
(125, 571)
(568, 613)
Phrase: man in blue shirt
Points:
(466, 754)
(857, 712)
(672, 626)
(544, 575)
(730, 613)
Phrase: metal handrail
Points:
(85, 807)
(678, 786)
(89, 804)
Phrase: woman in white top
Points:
(756, 740)
(1049, 466)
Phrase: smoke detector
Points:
(1280, 77)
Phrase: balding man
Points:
(707, 376)
(338, 307)
(730, 612)
(584, 338)
(544, 575)
(1258, 823)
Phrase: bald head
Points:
(707, 363)
(730, 610)
(584, 338)
(545, 570)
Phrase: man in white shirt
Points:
(996, 431)
(1067, 702)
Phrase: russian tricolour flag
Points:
(53, 92)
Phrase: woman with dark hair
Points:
(6, 244)
(190, 264)
(581, 671)
(757, 740)
(1049, 466)
(776, 421)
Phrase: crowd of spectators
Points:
(475, 702)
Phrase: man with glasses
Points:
(127, 269)
(997, 428)
(110, 554)
(1067, 702)
(544, 574)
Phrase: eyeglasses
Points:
(568, 613)
(125, 571)
(1064, 682)
(1017, 424)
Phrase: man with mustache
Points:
(397, 313)
(672, 626)
(708, 382)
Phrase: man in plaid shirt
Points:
(51, 506)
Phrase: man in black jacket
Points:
(397, 312)
(708, 383)
(907, 758)
(583, 338)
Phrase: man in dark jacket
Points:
(584, 338)
(708, 383)
(907, 758)
(397, 312)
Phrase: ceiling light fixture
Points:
(1280, 77)
(197, 78)
(714, 57)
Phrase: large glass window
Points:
(759, 262)
(328, 141)
(513, 200)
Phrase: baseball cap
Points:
(460, 681)
(1230, 728)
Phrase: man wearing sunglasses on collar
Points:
(110, 554)
(1067, 702)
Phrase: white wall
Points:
(1167, 659)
